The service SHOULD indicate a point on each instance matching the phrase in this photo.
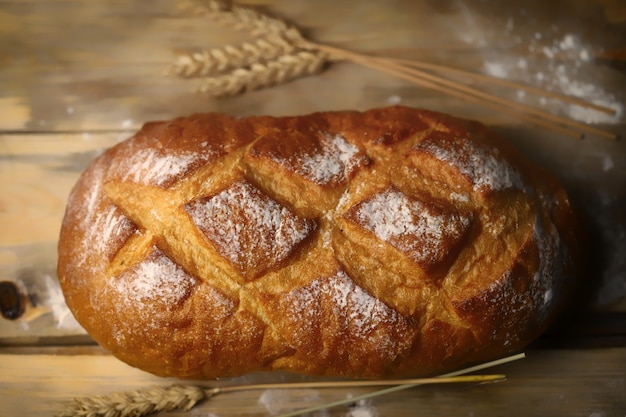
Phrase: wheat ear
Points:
(143, 402)
(259, 75)
(219, 60)
(243, 19)
(308, 57)
(140, 403)
(137, 403)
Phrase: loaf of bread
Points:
(391, 242)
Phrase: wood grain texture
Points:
(77, 65)
(77, 77)
(556, 382)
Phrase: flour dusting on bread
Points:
(420, 230)
(150, 167)
(273, 230)
(336, 160)
(157, 278)
(483, 166)
(386, 243)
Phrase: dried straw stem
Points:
(443, 69)
(365, 383)
(408, 385)
(531, 114)
(219, 60)
(259, 75)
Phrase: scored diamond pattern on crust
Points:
(321, 158)
(248, 228)
(156, 277)
(483, 167)
(425, 232)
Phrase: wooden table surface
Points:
(78, 76)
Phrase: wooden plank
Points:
(79, 76)
(36, 176)
(560, 382)
(98, 65)
(37, 173)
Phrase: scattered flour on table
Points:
(278, 401)
(63, 317)
(562, 64)
(613, 277)
(362, 408)
(394, 99)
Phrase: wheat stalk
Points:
(531, 114)
(143, 402)
(243, 19)
(137, 403)
(152, 400)
(275, 57)
(288, 54)
(219, 60)
(259, 75)
(408, 385)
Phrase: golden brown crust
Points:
(385, 243)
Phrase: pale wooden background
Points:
(78, 76)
